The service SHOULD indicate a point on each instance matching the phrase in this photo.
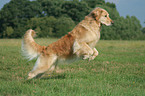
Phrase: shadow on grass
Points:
(45, 77)
(58, 76)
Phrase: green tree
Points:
(111, 5)
(51, 7)
(143, 35)
(143, 30)
(16, 13)
(43, 25)
(63, 26)
(9, 31)
(50, 26)
(93, 3)
(38, 30)
(76, 10)
(57, 17)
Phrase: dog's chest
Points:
(93, 33)
(95, 30)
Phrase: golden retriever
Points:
(80, 42)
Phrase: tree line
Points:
(54, 18)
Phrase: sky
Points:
(124, 7)
(131, 8)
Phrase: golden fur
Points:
(80, 42)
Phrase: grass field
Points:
(119, 70)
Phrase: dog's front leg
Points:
(82, 49)
(94, 54)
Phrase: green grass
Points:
(119, 70)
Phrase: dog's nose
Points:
(112, 22)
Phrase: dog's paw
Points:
(86, 57)
(92, 58)
(31, 75)
(96, 53)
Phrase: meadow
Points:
(118, 70)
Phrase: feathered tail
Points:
(30, 49)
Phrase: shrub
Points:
(63, 26)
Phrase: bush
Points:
(43, 25)
(50, 26)
(54, 18)
(9, 31)
(143, 30)
(63, 26)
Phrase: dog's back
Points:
(63, 48)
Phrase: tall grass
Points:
(119, 70)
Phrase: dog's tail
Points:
(30, 49)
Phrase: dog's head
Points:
(101, 16)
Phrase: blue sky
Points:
(131, 8)
(125, 7)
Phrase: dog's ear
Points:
(96, 13)
(33, 33)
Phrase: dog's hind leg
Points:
(43, 63)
